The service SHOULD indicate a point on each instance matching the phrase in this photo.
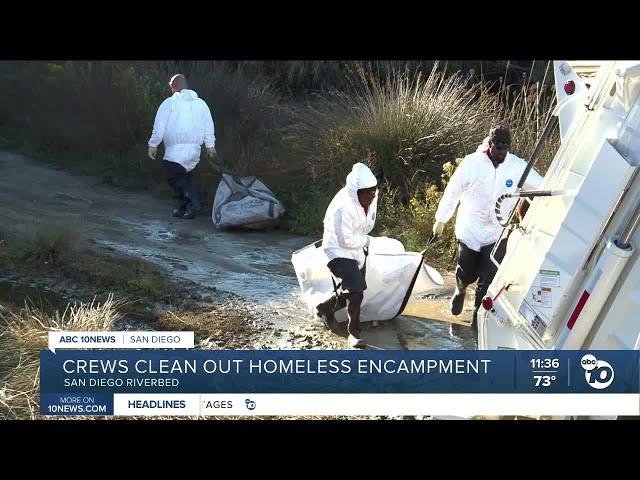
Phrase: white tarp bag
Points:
(244, 202)
(390, 272)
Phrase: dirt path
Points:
(256, 266)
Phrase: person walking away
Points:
(183, 122)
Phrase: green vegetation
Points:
(298, 125)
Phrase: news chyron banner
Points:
(133, 377)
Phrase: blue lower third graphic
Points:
(198, 382)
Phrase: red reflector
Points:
(578, 309)
(570, 87)
(487, 303)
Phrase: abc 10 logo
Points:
(598, 373)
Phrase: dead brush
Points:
(24, 333)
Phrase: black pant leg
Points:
(190, 191)
(176, 175)
(468, 264)
(180, 180)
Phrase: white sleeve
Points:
(160, 123)
(342, 224)
(452, 194)
(207, 124)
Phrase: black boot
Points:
(189, 212)
(457, 301)
(327, 309)
(179, 212)
(191, 194)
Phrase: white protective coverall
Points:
(183, 122)
(346, 224)
(477, 184)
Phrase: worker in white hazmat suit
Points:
(183, 122)
(475, 186)
(350, 216)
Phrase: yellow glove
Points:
(212, 152)
(152, 152)
(438, 228)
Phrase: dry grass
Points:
(405, 125)
(24, 334)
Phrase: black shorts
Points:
(346, 269)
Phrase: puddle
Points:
(263, 274)
(417, 334)
(257, 267)
(254, 265)
(163, 235)
(261, 278)
(157, 231)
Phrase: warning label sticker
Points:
(548, 278)
(542, 297)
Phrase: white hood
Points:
(361, 177)
(186, 95)
(484, 146)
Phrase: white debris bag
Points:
(393, 278)
(244, 202)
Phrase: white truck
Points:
(571, 276)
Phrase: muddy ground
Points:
(222, 270)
